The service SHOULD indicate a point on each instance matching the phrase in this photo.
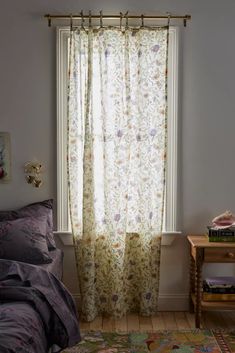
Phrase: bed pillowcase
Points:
(43, 208)
(24, 240)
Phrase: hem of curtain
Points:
(84, 318)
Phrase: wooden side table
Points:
(203, 251)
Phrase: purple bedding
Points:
(21, 329)
(36, 310)
(56, 266)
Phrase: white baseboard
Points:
(167, 302)
(173, 302)
(76, 297)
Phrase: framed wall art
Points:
(5, 157)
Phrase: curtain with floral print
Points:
(117, 120)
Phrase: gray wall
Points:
(207, 123)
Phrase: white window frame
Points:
(170, 222)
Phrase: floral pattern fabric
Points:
(117, 111)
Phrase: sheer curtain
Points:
(117, 119)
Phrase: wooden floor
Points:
(162, 321)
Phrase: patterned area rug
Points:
(194, 341)
(226, 341)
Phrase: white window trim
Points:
(63, 226)
(62, 178)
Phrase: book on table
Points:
(219, 289)
(221, 234)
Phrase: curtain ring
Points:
(142, 20)
(168, 19)
(101, 19)
(121, 17)
(71, 22)
(126, 15)
(82, 19)
(89, 19)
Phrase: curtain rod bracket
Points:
(48, 19)
(186, 18)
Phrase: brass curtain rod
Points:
(50, 17)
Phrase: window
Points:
(170, 219)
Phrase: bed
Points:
(56, 266)
(37, 312)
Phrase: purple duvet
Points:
(36, 310)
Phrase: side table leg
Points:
(191, 283)
(198, 285)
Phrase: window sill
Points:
(167, 237)
(65, 237)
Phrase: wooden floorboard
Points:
(121, 324)
(211, 320)
(85, 326)
(181, 321)
(145, 324)
(224, 322)
(161, 321)
(230, 318)
(108, 324)
(169, 320)
(190, 319)
(133, 322)
(157, 322)
(96, 324)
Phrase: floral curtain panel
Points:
(116, 165)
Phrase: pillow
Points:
(24, 240)
(43, 208)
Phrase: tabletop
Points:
(201, 241)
